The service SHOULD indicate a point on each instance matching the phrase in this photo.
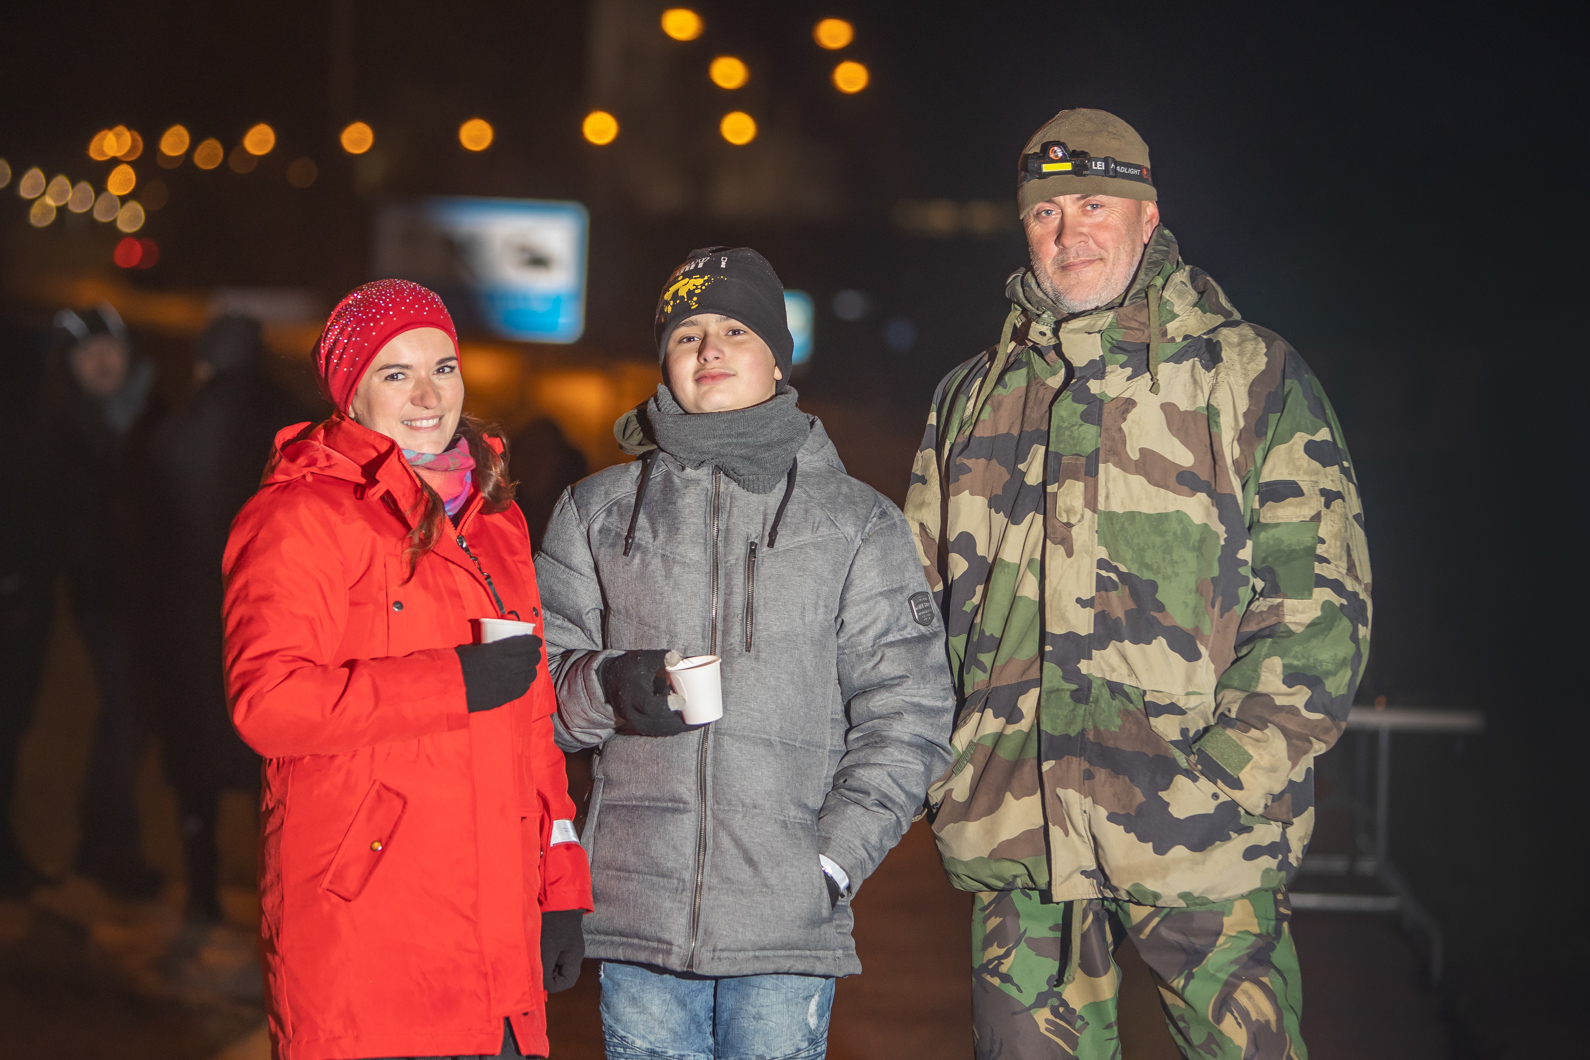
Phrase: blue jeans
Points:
(648, 1014)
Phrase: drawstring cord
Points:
(789, 489)
(1002, 357)
(1155, 290)
(646, 462)
(650, 458)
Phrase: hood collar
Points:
(341, 449)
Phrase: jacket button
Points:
(376, 846)
(397, 605)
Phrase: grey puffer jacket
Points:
(705, 846)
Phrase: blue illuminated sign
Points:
(798, 311)
(514, 267)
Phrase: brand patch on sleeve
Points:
(922, 608)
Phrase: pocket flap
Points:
(366, 842)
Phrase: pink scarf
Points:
(447, 473)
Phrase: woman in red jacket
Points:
(420, 880)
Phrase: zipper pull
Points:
(496, 597)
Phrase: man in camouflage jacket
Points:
(1143, 529)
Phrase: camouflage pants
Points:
(1045, 979)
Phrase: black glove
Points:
(562, 948)
(636, 686)
(499, 672)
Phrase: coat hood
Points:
(341, 449)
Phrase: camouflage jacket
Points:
(1151, 562)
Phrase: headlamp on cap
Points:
(1054, 159)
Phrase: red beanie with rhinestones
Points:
(366, 320)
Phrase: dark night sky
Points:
(1393, 187)
(1327, 162)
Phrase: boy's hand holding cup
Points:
(659, 693)
(636, 686)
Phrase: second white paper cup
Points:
(698, 680)
(492, 629)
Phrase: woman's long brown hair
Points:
(490, 478)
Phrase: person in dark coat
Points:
(205, 463)
(27, 603)
(100, 409)
(544, 463)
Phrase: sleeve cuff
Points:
(832, 869)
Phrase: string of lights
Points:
(730, 73)
(123, 145)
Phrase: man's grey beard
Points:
(1066, 307)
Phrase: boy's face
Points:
(715, 363)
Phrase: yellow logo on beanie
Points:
(686, 289)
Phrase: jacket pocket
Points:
(1303, 530)
(366, 843)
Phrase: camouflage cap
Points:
(1116, 160)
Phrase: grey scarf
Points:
(755, 447)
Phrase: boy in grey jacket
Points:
(724, 856)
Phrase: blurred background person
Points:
(205, 462)
(99, 409)
(27, 603)
(544, 463)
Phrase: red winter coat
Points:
(408, 846)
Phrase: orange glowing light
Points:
(175, 141)
(96, 146)
(681, 23)
(833, 33)
(259, 140)
(728, 72)
(738, 127)
(122, 179)
(135, 146)
(116, 141)
(851, 77)
(600, 128)
(357, 138)
(209, 154)
(476, 134)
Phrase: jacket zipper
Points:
(750, 593)
(706, 735)
(473, 558)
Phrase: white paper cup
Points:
(491, 629)
(698, 680)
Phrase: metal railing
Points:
(1371, 823)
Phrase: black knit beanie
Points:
(736, 282)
